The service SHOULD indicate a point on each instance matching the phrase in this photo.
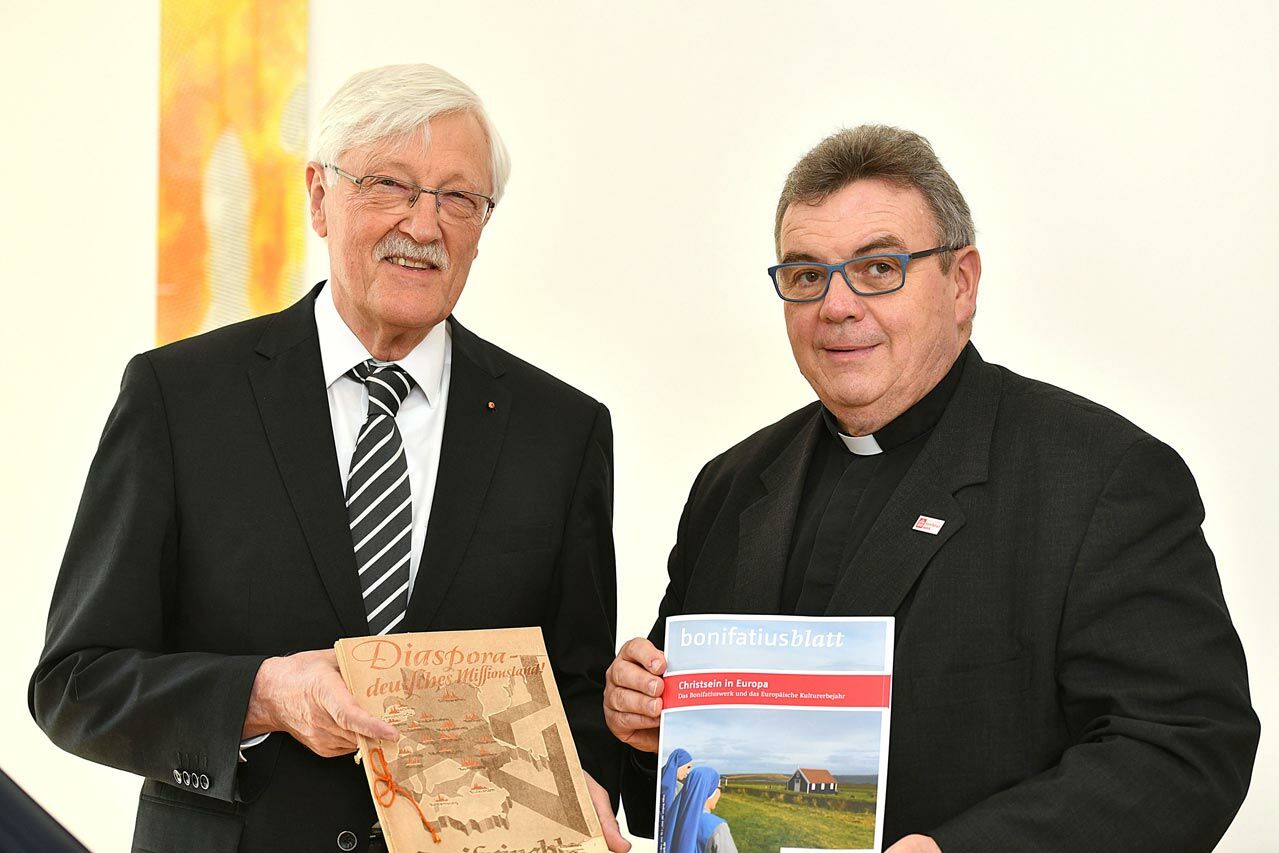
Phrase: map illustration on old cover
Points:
(485, 760)
(774, 734)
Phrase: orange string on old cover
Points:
(385, 788)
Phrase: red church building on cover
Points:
(811, 781)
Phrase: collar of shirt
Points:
(340, 349)
(910, 424)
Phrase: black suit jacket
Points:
(1066, 675)
(213, 533)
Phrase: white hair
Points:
(395, 100)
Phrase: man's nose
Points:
(840, 302)
(422, 221)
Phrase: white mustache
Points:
(397, 245)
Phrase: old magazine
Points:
(774, 735)
(485, 760)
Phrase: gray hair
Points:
(885, 153)
(397, 99)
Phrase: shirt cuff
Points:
(251, 742)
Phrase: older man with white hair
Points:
(358, 463)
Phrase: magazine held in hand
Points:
(485, 760)
(774, 735)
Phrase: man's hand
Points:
(915, 844)
(608, 821)
(304, 695)
(631, 690)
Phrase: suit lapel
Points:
(473, 433)
(956, 454)
(293, 403)
(893, 554)
(765, 526)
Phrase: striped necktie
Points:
(378, 500)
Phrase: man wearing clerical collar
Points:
(1066, 675)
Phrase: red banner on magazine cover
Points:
(777, 688)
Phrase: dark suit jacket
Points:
(213, 533)
(1066, 674)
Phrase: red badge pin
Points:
(928, 524)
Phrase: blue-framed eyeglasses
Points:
(868, 275)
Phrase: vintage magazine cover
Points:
(774, 734)
(485, 760)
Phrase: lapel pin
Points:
(492, 405)
(927, 524)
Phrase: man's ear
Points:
(966, 273)
(316, 192)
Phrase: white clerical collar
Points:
(861, 445)
(340, 349)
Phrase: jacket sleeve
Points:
(581, 630)
(1152, 685)
(107, 687)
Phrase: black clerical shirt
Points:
(845, 492)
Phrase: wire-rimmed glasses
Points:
(392, 195)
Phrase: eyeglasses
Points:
(392, 195)
(869, 275)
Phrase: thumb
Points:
(608, 821)
(350, 716)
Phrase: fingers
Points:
(626, 711)
(623, 724)
(640, 651)
(345, 716)
(304, 695)
(328, 745)
(631, 701)
(637, 668)
(324, 736)
(608, 821)
(915, 844)
(644, 740)
(632, 686)
(348, 716)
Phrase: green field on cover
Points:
(761, 824)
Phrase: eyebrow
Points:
(888, 241)
(392, 168)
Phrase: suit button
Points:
(177, 777)
(204, 782)
(346, 840)
(186, 778)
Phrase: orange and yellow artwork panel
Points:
(233, 139)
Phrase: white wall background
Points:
(1120, 161)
